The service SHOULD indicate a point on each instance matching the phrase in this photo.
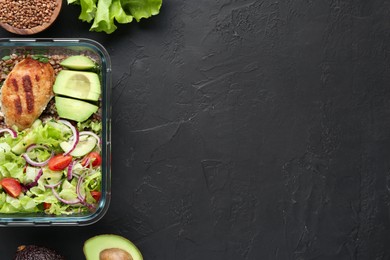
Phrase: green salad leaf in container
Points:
(104, 14)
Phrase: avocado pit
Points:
(114, 254)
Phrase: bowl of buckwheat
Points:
(28, 16)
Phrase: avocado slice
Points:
(74, 109)
(98, 247)
(78, 62)
(78, 84)
(25, 252)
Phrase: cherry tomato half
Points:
(59, 162)
(93, 158)
(96, 195)
(11, 186)
(46, 205)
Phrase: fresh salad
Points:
(54, 165)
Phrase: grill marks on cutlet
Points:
(27, 87)
(15, 84)
(18, 105)
(28, 92)
(17, 102)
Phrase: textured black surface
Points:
(244, 130)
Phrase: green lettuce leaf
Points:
(88, 10)
(103, 22)
(13, 205)
(141, 8)
(11, 165)
(90, 125)
(105, 13)
(117, 12)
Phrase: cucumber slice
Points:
(27, 140)
(84, 146)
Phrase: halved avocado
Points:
(78, 62)
(78, 84)
(98, 247)
(25, 252)
(74, 109)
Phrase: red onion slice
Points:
(69, 202)
(69, 175)
(40, 173)
(12, 132)
(75, 175)
(36, 146)
(81, 197)
(78, 189)
(89, 206)
(87, 162)
(34, 163)
(35, 182)
(75, 135)
(51, 186)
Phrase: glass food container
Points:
(69, 47)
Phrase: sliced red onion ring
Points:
(78, 189)
(35, 182)
(87, 162)
(32, 162)
(75, 135)
(90, 206)
(36, 146)
(99, 141)
(81, 197)
(12, 132)
(75, 175)
(53, 185)
(69, 202)
(70, 170)
(40, 173)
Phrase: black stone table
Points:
(244, 129)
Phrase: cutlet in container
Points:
(55, 136)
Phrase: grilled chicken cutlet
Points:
(26, 92)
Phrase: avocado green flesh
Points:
(94, 245)
(74, 109)
(78, 62)
(78, 84)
